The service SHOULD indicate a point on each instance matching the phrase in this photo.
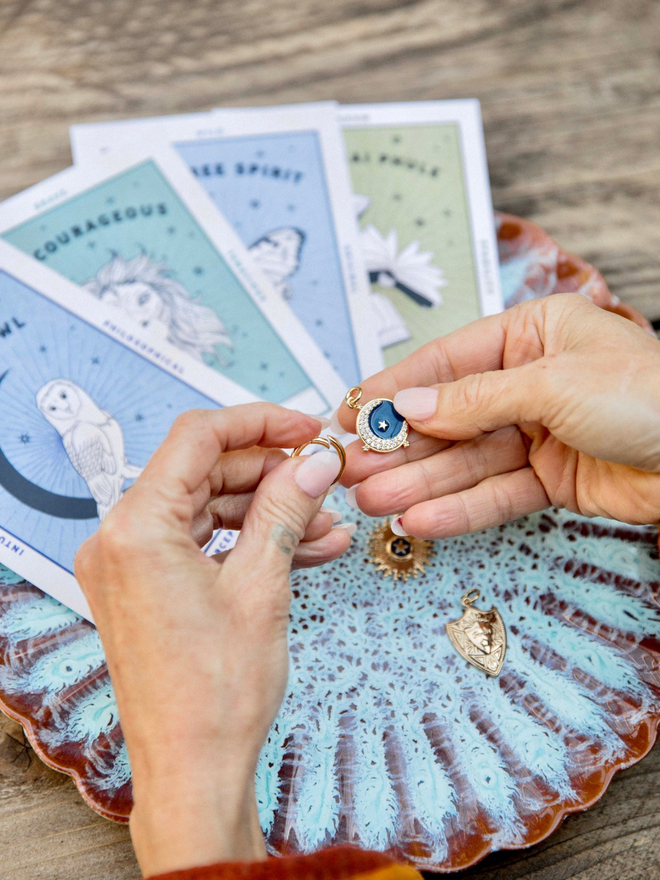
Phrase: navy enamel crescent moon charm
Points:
(380, 427)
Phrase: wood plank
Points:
(569, 94)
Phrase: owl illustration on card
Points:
(409, 270)
(277, 254)
(92, 438)
(148, 295)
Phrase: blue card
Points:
(82, 412)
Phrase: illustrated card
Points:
(280, 177)
(85, 400)
(426, 218)
(142, 235)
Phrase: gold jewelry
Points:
(328, 442)
(380, 427)
(397, 556)
(479, 636)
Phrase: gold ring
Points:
(328, 442)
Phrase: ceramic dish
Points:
(387, 738)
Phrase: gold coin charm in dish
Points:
(380, 427)
(396, 556)
(479, 636)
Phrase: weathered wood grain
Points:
(571, 102)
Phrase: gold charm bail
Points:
(352, 397)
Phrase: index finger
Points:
(475, 348)
(198, 438)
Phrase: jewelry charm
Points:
(397, 556)
(479, 636)
(380, 427)
(329, 442)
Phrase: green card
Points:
(422, 195)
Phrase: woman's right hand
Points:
(553, 402)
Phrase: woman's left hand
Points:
(197, 646)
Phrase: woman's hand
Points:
(553, 402)
(197, 646)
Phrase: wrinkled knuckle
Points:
(117, 537)
(472, 462)
(471, 392)
(279, 511)
(188, 421)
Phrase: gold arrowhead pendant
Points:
(479, 636)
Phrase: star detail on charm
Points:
(396, 556)
(380, 427)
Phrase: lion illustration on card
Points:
(143, 289)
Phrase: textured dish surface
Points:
(388, 739)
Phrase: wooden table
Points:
(571, 105)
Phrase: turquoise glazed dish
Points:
(387, 739)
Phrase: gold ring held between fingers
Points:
(328, 442)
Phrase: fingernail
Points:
(334, 424)
(317, 472)
(350, 496)
(335, 514)
(397, 527)
(417, 404)
(325, 422)
(350, 527)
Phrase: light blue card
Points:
(272, 189)
(131, 239)
(69, 391)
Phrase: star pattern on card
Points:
(25, 438)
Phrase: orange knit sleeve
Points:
(336, 863)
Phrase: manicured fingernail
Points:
(350, 496)
(325, 422)
(335, 514)
(418, 404)
(350, 527)
(317, 472)
(334, 425)
(397, 527)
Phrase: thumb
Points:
(284, 504)
(475, 404)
